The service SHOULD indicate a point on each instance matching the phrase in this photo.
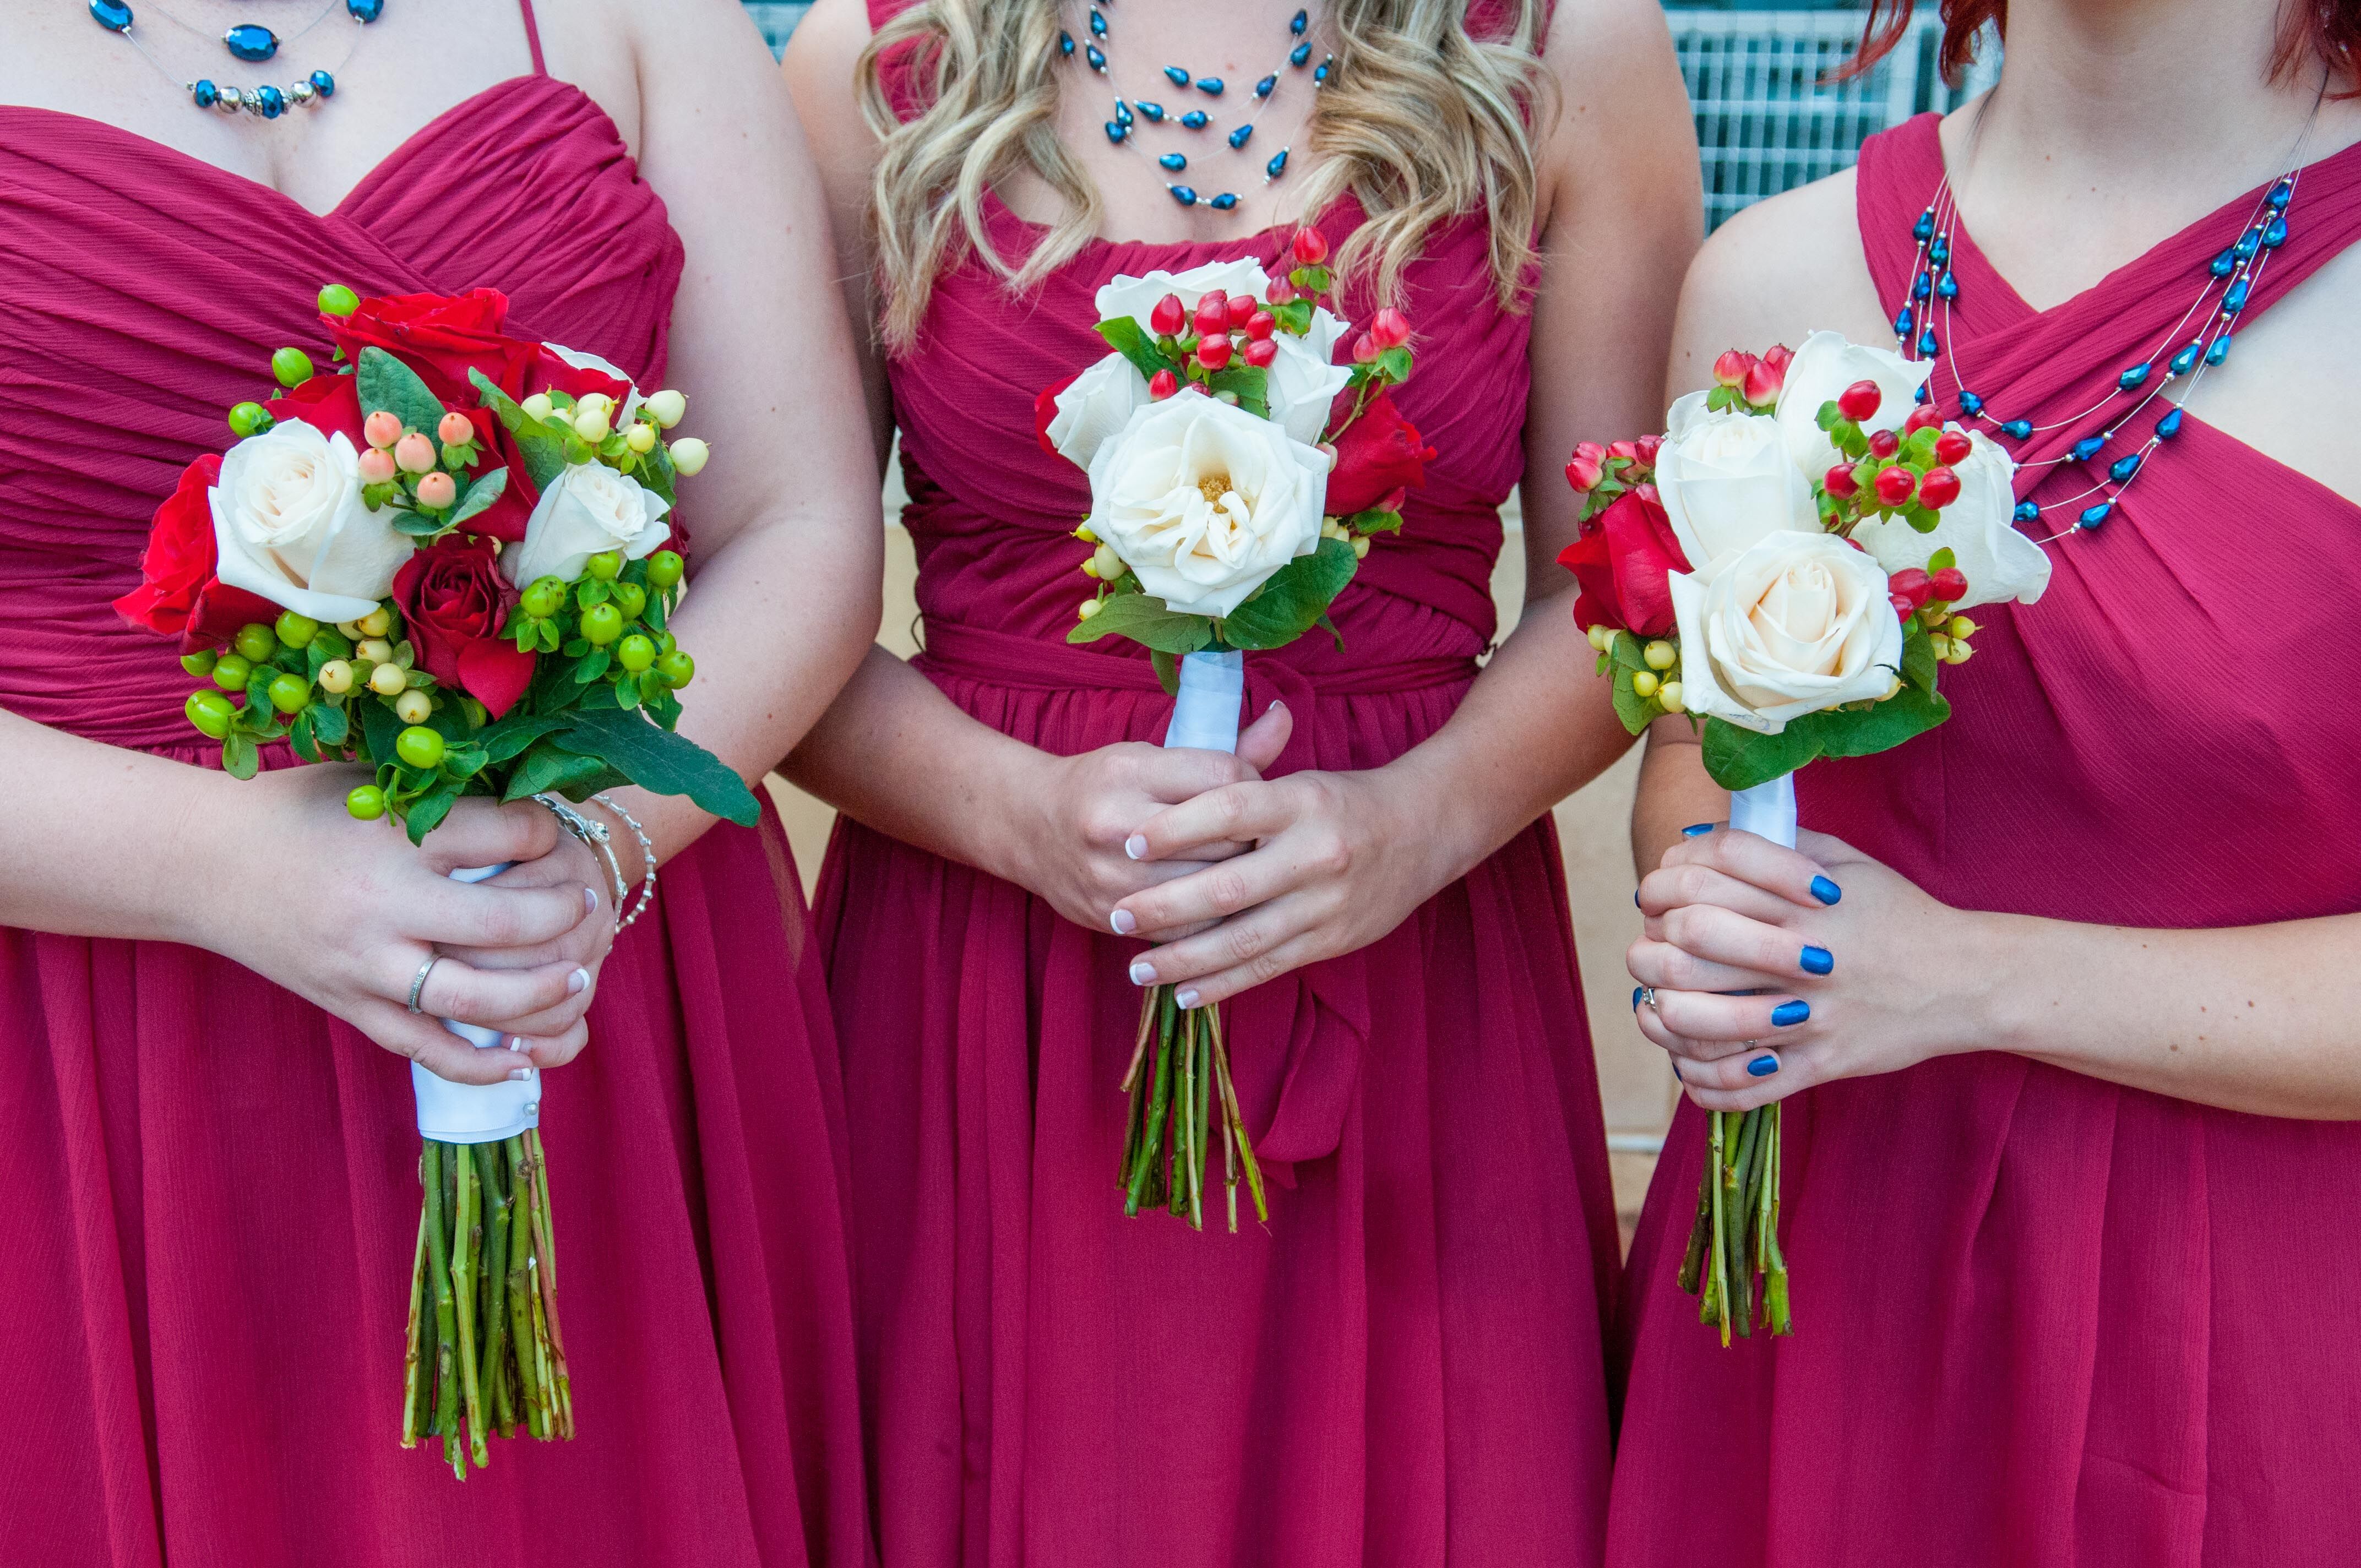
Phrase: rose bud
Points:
(1311, 247)
(1950, 585)
(1162, 385)
(1924, 416)
(1731, 368)
(1280, 292)
(381, 429)
(1242, 309)
(437, 490)
(1212, 352)
(1212, 315)
(1840, 482)
(1895, 485)
(1778, 356)
(690, 455)
(1260, 351)
(1389, 328)
(1762, 384)
(1884, 444)
(1364, 349)
(1168, 317)
(413, 454)
(1583, 473)
(1913, 584)
(454, 430)
(1859, 400)
(1940, 487)
(1951, 447)
(377, 465)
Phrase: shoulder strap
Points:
(533, 36)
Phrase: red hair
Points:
(2327, 30)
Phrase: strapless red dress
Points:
(1406, 1365)
(208, 1188)
(2041, 1319)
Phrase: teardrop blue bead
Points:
(1267, 86)
(1949, 287)
(2094, 516)
(1970, 404)
(1174, 161)
(2248, 243)
(1299, 55)
(1321, 75)
(1155, 112)
(1117, 130)
(1097, 59)
(2224, 265)
(1065, 44)
(2220, 351)
(1098, 23)
(1225, 201)
(1302, 20)
(251, 41)
(1210, 85)
(1924, 229)
(2186, 360)
(1901, 323)
(366, 11)
(1921, 395)
(2018, 430)
(111, 14)
(1123, 113)
(2276, 235)
(2132, 378)
(1185, 195)
(2169, 426)
(2235, 300)
(1194, 119)
(1927, 344)
(2090, 446)
(2122, 469)
(2282, 194)
(1939, 252)
(1277, 166)
(1238, 137)
(1177, 76)
(1921, 289)
(2027, 512)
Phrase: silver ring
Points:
(1648, 996)
(418, 982)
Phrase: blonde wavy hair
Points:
(1419, 120)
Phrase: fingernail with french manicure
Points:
(1817, 961)
(1136, 846)
(577, 982)
(590, 901)
(1763, 1066)
(1143, 972)
(1186, 996)
(1788, 1014)
(1123, 922)
(520, 1075)
(1825, 890)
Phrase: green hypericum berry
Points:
(291, 367)
(232, 671)
(605, 566)
(665, 569)
(635, 653)
(249, 418)
(601, 624)
(211, 713)
(296, 631)
(367, 803)
(420, 747)
(630, 598)
(675, 669)
(666, 643)
(257, 643)
(201, 662)
(336, 300)
(545, 597)
(290, 694)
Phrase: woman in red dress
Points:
(2068, 1205)
(208, 1173)
(1405, 1366)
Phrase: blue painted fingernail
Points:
(1123, 923)
(1763, 1066)
(1817, 961)
(1142, 972)
(1825, 890)
(1637, 993)
(1676, 1073)
(1695, 828)
(1635, 898)
(1788, 1014)
(1186, 996)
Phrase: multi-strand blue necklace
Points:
(250, 42)
(2200, 341)
(1129, 111)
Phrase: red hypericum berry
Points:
(1762, 384)
(1242, 309)
(1168, 317)
(1390, 328)
(1924, 416)
(1591, 450)
(1884, 444)
(1214, 352)
(1583, 473)
(1894, 484)
(1280, 292)
(1731, 368)
(1646, 448)
(1952, 447)
(1778, 356)
(1859, 400)
(1212, 315)
(1840, 482)
(1911, 584)
(1311, 247)
(1261, 324)
(1940, 487)
(1624, 449)
(1950, 585)
(1260, 351)
(1902, 605)
(1162, 385)
(1364, 349)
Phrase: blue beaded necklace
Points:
(249, 42)
(1129, 111)
(2208, 324)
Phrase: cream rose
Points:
(1825, 365)
(586, 510)
(1725, 480)
(1978, 529)
(289, 524)
(1135, 297)
(1797, 623)
(583, 361)
(1303, 381)
(1204, 502)
(1096, 404)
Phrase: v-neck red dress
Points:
(2042, 1320)
(208, 1188)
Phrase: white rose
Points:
(1099, 402)
(1978, 529)
(586, 510)
(1796, 624)
(1302, 382)
(1825, 365)
(1135, 297)
(1725, 481)
(581, 361)
(1204, 502)
(289, 524)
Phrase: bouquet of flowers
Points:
(443, 561)
(1238, 478)
(1787, 565)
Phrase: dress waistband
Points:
(1007, 660)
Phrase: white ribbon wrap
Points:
(472, 1112)
(1768, 810)
(1205, 714)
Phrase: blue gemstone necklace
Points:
(1129, 111)
(2198, 342)
(253, 43)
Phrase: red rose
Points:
(177, 594)
(1045, 411)
(453, 604)
(1377, 453)
(505, 519)
(550, 373)
(329, 404)
(1621, 561)
(442, 337)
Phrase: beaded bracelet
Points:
(647, 861)
(591, 833)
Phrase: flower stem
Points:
(413, 1390)
(493, 1312)
(544, 1240)
(438, 1261)
(466, 1246)
(525, 1350)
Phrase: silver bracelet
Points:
(647, 861)
(590, 832)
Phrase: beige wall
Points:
(1634, 1083)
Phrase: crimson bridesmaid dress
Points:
(1406, 1367)
(2042, 1320)
(211, 1192)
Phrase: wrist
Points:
(1417, 808)
(1009, 823)
(1988, 1007)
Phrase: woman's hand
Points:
(1339, 861)
(1079, 814)
(345, 912)
(1856, 970)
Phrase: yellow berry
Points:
(1941, 644)
(1960, 652)
(388, 680)
(590, 423)
(376, 624)
(1089, 608)
(1962, 626)
(413, 707)
(1090, 564)
(336, 677)
(375, 650)
(1600, 637)
(1669, 694)
(1085, 535)
(538, 406)
(1660, 655)
(351, 629)
(641, 438)
(1360, 547)
(1108, 565)
(1643, 682)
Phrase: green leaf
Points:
(1143, 620)
(1168, 671)
(507, 737)
(1293, 601)
(591, 668)
(657, 760)
(480, 495)
(1394, 364)
(379, 728)
(239, 758)
(547, 765)
(1862, 733)
(1125, 336)
(427, 812)
(1636, 711)
(328, 723)
(1375, 521)
(387, 384)
(1741, 759)
(1918, 661)
(544, 451)
(417, 524)
(1942, 560)
(301, 733)
(1294, 316)
(1248, 384)
(1329, 626)
(1829, 416)
(1628, 653)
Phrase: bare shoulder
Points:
(1783, 267)
(822, 51)
(1619, 126)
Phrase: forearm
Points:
(1674, 793)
